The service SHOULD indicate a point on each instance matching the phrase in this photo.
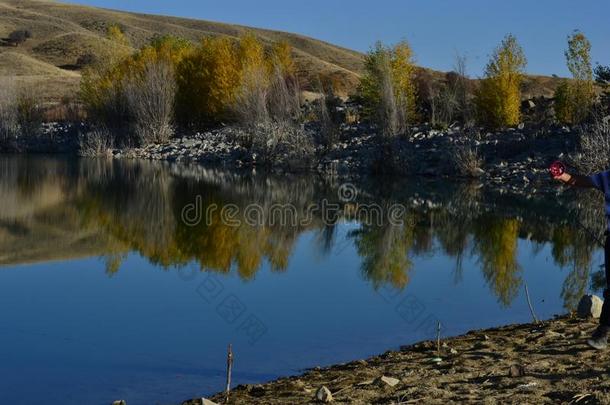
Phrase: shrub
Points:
(498, 98)
(574, 99)
(387, 87)
(18, 37)
(466, 160)
(150, 102)
(95, 143)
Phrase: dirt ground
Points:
(517, 364)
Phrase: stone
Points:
(199, 401)
(389, 381)
(119, 402)
(589, 306)
(323, 394)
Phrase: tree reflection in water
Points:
(109, 208)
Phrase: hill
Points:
(62, 32)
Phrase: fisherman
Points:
(600, 181)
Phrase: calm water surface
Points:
(126, 280)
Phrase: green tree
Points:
(574, 99)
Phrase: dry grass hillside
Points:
(63, 32)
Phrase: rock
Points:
(256, 391)
(323, 394)
(119, 402)
(516, 370)
(589, 306)
(199, 401)
(389, 381)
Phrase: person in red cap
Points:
(601, 182)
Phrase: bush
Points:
(466, 161)
(387, 87)
(498, 98)
(18, 37)
(95, 143)
(574, 99)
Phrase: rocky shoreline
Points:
(546, 362)
(514, 159)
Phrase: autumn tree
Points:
(387, 87)
(208, 79)
(498, 98)
(574, 99)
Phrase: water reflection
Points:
(56, 209)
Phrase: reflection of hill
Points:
(59, 210)
(38, 221)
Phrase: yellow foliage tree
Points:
(498, 98)
(574, 99)
(282, 57)
(208, 79)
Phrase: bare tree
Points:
(29, 111)
(8, 108)
(392, 114)
(150, 102)
(594, 146)
(250, 106)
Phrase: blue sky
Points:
(436, 29)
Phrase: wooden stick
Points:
(229, 370)
(529, 303)
(438, 338)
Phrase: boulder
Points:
(589, 306)
(323, 394)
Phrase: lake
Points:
(128, 280)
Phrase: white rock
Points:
(590, 306)
(390, 381)
(323, 394)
